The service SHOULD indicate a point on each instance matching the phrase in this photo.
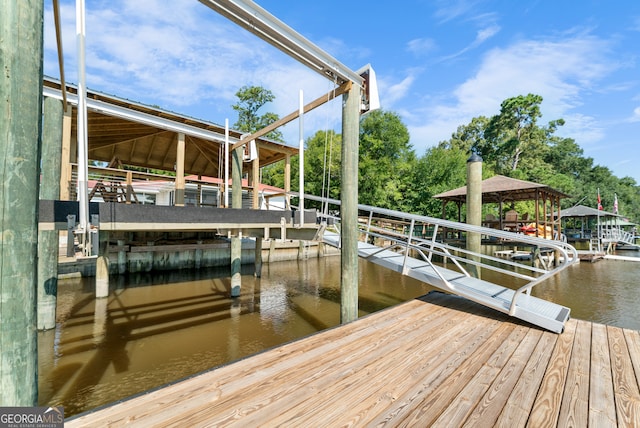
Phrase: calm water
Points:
(155, 329)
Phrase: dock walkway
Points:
(436, 361)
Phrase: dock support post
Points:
(349, 209)
(102, 267)
(180, 183)
(198, 255)
(258, 257)
(122, 256)
(48, 240)
(21, 24)
(474, 208)
(236, 203)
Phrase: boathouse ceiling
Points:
(147, 137)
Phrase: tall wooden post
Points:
(65, 158)
(287, 181)
(349, 207)
(474, 207)
(180, 185)
(21, 27)
(255, 183)
(49, 190)
(236, 203)
(102, 266)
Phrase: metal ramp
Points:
(542, 313)
(414, 246)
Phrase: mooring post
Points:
(21, 24)
(48, 240)
(349, 207)
(122, 256)
(180, 183)
(102, 266)
(258, 257)
(474, 208)
(236, 240)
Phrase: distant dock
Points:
(436, 361)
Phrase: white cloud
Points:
(420, 47)
(179, 55)
(636, 115)
(560, 71)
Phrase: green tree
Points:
(513, 131)
(386, 161)
(322, 163)
(439, 170)
(250, 100)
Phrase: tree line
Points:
(513, 143)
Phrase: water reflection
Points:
(154, 330)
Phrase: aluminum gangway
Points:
(612, 236)
(433, 251)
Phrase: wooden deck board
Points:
(440, 360)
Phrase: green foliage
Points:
(386, 161)
(439, 170)
(250, 100)
(511, 143)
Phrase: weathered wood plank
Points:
(425, 400)
(624, 380)
(475, 387)
(495, 398)
(574, 409)
(322, 379)
(546, 408)
(208, 387)
(518, 407)
(439, 361)
(369, 395)
(602, 407)
(633, 343)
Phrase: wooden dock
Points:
(436, 361)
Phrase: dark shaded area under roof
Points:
(501, 189)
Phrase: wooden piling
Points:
(349, 207)
(474, 208)
(21, 28)
(236, 203)
(49, 190)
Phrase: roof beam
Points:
(136, 116)
(345, 87)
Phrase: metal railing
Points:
(441, 242)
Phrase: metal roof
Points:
(583, 211)
(503, 189)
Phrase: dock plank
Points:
(519, 404)
(575, 400)
(602, 408)
(463, 404)
(546, 407)
(494, 400)
(436, 361)
(627, 395)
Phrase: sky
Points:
(438, 63)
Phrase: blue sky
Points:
(439, 63)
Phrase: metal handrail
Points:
(565, 254)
